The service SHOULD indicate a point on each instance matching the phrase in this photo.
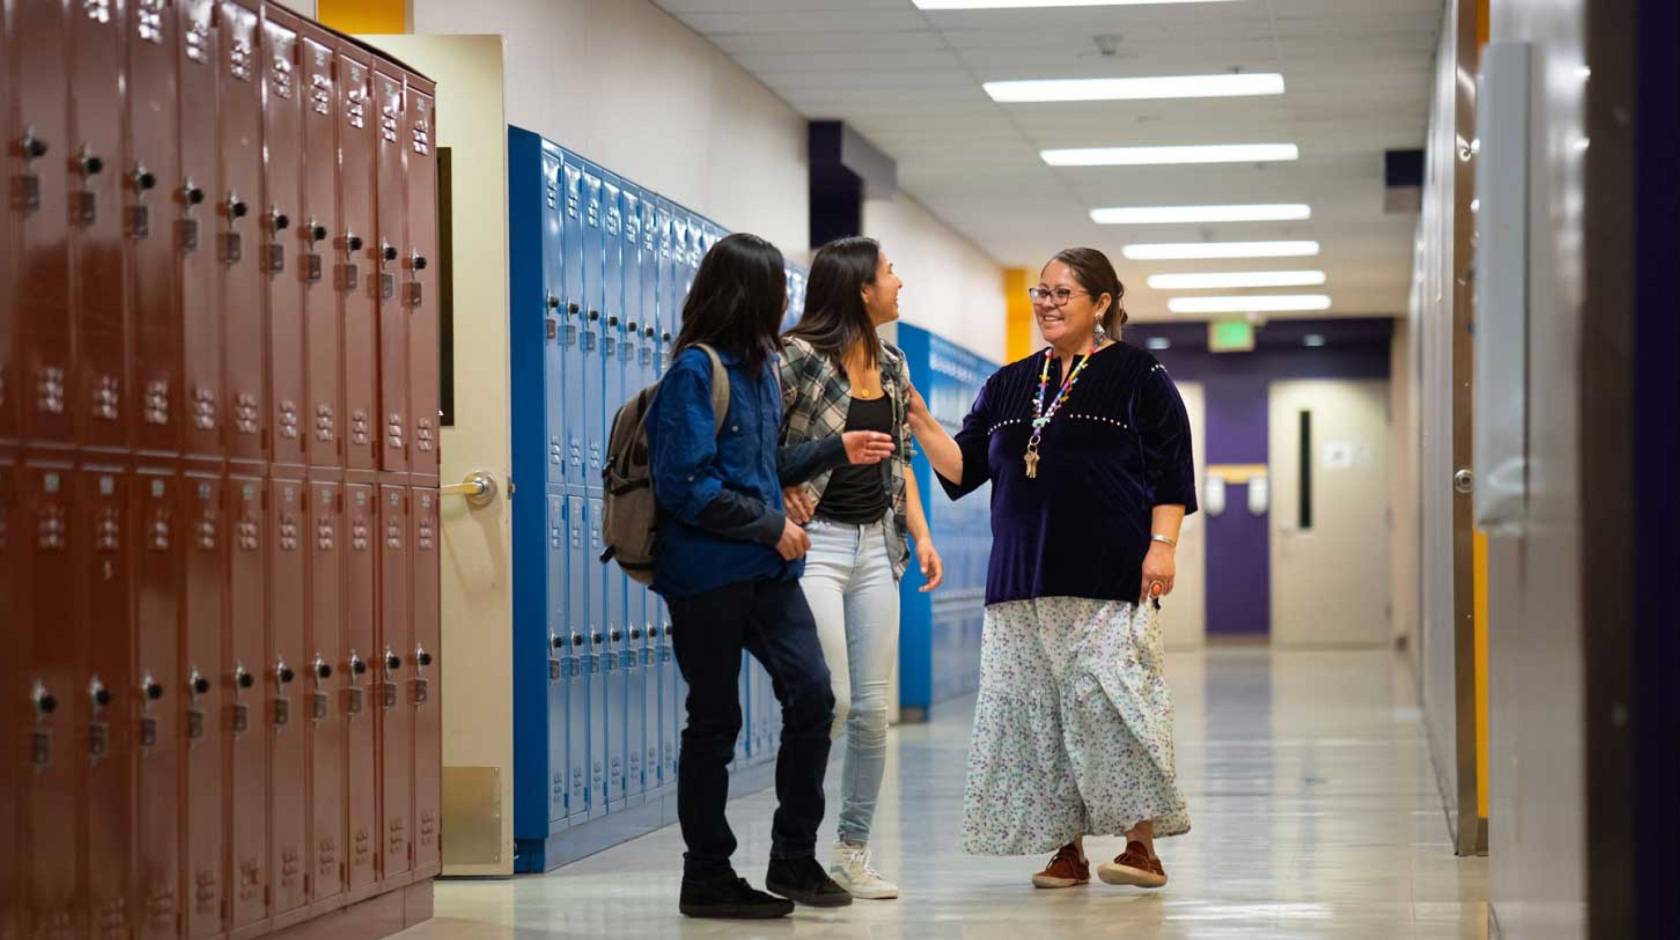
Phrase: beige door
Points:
(1184, 615)
(1330, 513)
(476, 579)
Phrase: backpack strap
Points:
(720, 389)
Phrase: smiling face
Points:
(1068, 324)
(880, 298)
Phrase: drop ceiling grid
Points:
(1358, 74)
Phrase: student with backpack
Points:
(727, 560)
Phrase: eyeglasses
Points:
(1053, 296)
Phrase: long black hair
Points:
(1096, 274)
(737, 300)
(835, 318)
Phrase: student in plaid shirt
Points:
(838, 376)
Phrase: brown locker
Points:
(425, 687)
(54, 709)
(96, 199)
(361, 517)
(150, 167)
(324, 724)
(285, 689)
(391, 197)
(159, 545)
(282, 225)
(202, 698)
(244, 672)
(39, 170)
(8, 316)
(103, 630)
(13, 671)
(420, 288)
(355, 277)
(324, 407)
(196, 224)
(239, 230)
(396, 716)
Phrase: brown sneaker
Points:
(1136, 867)
(1067, 870)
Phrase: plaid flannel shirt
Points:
(816, 397)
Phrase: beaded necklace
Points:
(1041, 416)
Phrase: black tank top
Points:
(858, 495)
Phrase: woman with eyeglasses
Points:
(1087, 447)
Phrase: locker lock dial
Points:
(553, 302)
(144, 179)
(577, 639)
(198, 683)
(323, 669)
(191, 194)
(556, 641)
(352, 241)
(280, 220)
(45, 702)
(236, 207)
(151, 689)
(418, 261)
(597, 639)
(616, 635)
(648, 332)
(284, 673)
(393, 662)
(357, 666)
(98, 694)
(317, 231)
(421, 657)
(389, 252)
(32, 147)
(242, 678)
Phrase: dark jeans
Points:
(770, 620)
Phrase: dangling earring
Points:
(1101, 335)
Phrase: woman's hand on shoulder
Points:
(918, 406)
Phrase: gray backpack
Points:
(630, 516)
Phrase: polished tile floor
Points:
(1314, 807)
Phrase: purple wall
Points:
(1237, 385)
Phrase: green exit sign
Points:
(1235, 335)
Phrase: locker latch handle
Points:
(242, 678)
(44, 701)
(236, 208)
(89, 163)
(190, 194)
(323, 669)
(284, 673)
(143, 179)
(198, 684)
(278, 220)
(98, 694)
(317, 232)
(150, 689)
(417, 261)
(30, 146)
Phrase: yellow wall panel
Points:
(364, 16)
(1018, 331)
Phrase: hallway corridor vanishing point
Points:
(1315, 810)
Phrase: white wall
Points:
(950, 287)
(624, 84)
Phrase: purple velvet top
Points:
(1119, 446)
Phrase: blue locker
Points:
(581, 798)
(586, 411)
(534, 731)
(612, 581)
(606, 686)
(635, 616)
(554, 291)
(572, 321)
(559, 662)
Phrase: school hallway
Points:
(1314, 805)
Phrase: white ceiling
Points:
(1358, 83)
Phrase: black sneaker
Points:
(803, 880)
(728, 895)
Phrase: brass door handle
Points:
(479, 488)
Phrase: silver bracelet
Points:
(1170, 543)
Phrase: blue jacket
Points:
(720, 497)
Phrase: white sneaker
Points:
(852, 871)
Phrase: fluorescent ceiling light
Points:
(1158, 215)
(1313, 340)
(1146, 156)
(1159, 342)
(1029, 4)
(1200, 250)
(1265, 303)
(1236, 279)
(1237, 85)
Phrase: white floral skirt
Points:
(1073, 730)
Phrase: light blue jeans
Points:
(850, 587)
